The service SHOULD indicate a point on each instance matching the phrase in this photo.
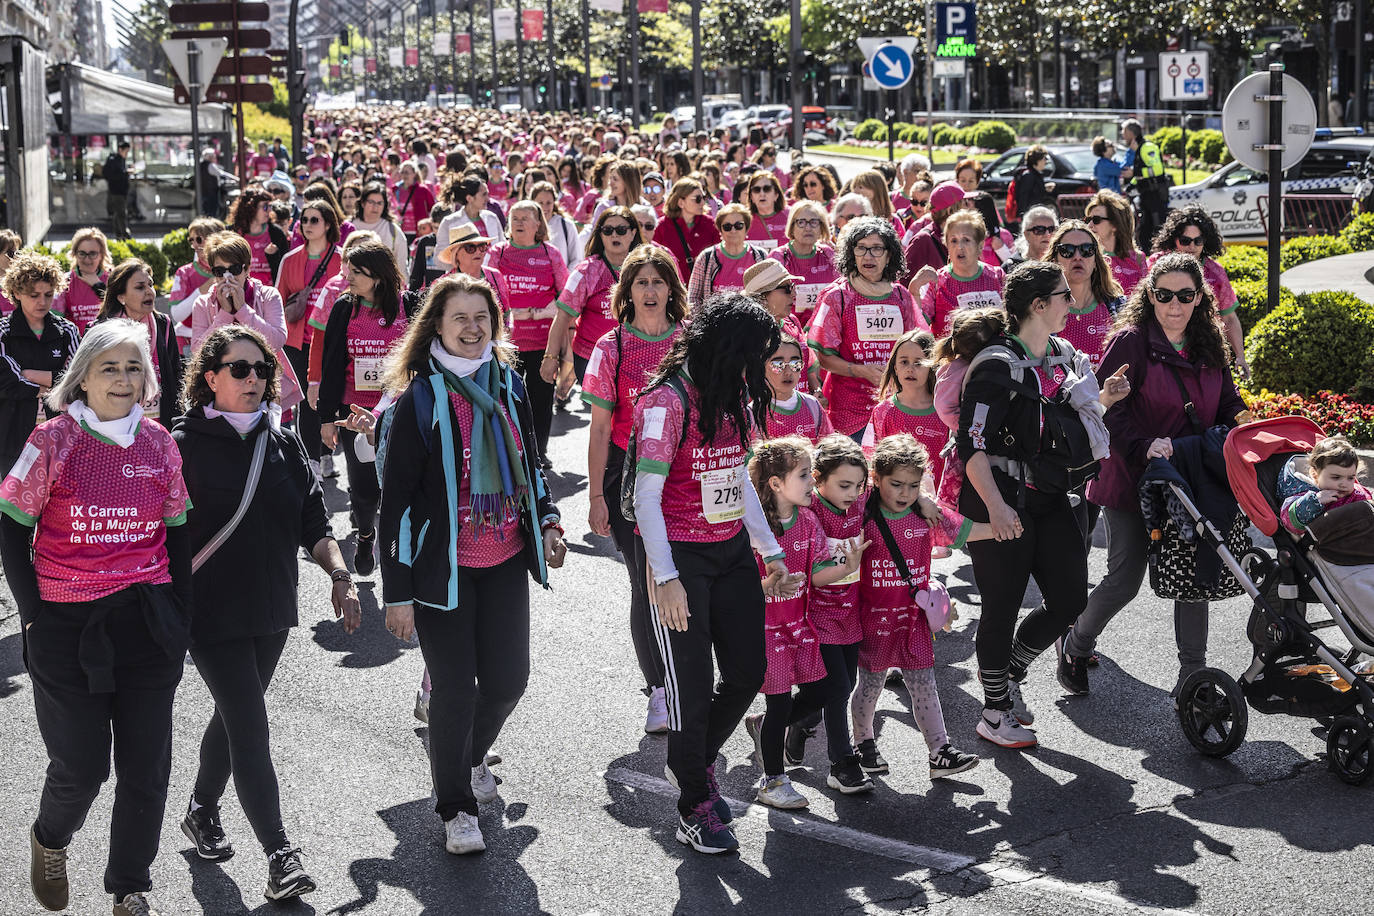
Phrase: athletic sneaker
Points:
(777, 792)
(1072, 672)
(754, 726)
(704, 831)
(140, 904)
(48, 874)
(717, 800)
(483, 783)
(1005, 730)
(327, 468)
(202, 827)
(1018, 703)
(656, 722)
(463, 834)
(794, 744)
(869, 758)
(1092, 660)
(949, 760)
(285, 876)
(365, 557)
(422, 706)
(848, 776)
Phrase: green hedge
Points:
(1311, 248)
(870, 130)
(176, 245)
(57, 254)
(1245, 262)
(1359, 232)
(1252, 301)
(1319, 342)
(993, 135)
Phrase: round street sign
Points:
(1245, 122)
(891, 66)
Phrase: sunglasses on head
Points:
(1066, 250)
(1189, 240)
(618, 229)
(240, 368)
(733, 227)
(1167, 295)
(220, 270)
(779, 364)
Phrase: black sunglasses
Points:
(1190, 240)
(733, 227)
(1040, 230)
(240, 368)
(1098, 220)
(312, 220)
(619, 229)
(1066, 250)
(219, 270)
(1167, 295)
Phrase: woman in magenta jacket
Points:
(1166, 335)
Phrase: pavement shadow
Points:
(372, 645)
(11, 663)
(218, 893)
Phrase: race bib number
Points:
(367, 373)
(878, 322)
(835, 544)
(983, 298)
(808, 294)
(722, 494)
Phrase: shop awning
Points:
(110, 103)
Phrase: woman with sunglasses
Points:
(814, 183)
(1037, 226)
(80, 302)
(1112, 220)
(234, 296)
(965, 282)
(241, 623)
(916, 213)
(362, 327)
(251, 217)
(374, 215)
(1191, 231)
(859, 318)
(722, 266)
(1097, 296)
(105, 607)
(468, 198)
(1166, 339)
(193, 279)
(686, 230)
(763, 194)
(132, 294)
(809, 255)
(586, 297)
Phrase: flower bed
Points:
(1334, 413)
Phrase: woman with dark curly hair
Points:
(1166, 339)
(1191, 231)
(251, 217)
(816, 184)
(241, 622)
(36, 344)
(693, 501)
(859, 318)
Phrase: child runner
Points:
(970, 332)
(781, 473)
(896, 632)
(794, 413)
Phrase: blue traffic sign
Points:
(891, 66)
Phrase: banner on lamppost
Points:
(462, 43)
(503, 23)
(357, 65)
(335, 71)
(607, 6)
(394, 57)
(412, 57)
(653, 6)
(371, 65)
(443, 44)
(532, 24)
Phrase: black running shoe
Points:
(949, 760)
(365, 557)
(285, 876)
(794, 744)
(704, 832)
(870, 759)
(1072, 670)
(848, 776)
(202, 827)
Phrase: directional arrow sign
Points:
(889, 60)
(208, 53)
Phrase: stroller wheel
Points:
(1212, 711)
(1348, 749)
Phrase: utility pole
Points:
(520, 52)
(930, 81)
(550, 104)
(587, 56)
(453, 49)
(495, 77)
(634, 62)
(794, 64)
(698, 80)
(472, 54)
(295, 89)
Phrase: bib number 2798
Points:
(722, 494)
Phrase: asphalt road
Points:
(1113, 812)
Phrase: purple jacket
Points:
(1154, 408)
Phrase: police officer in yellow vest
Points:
(1151, 181)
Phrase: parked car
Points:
(715, 109)
(818, 126)
(1073, 171)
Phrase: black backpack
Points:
(627, 473)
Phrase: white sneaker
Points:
(777, 792)
(422, 706)
(656, 722)
(1018, 703)
(1006, 731)
(463, 835)
(483, 783)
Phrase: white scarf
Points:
(121, 432)
(458, 365)
(243, 423)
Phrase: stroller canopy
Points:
(1248, 448)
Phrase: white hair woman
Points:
(100, 567)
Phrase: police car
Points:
(1234, 194)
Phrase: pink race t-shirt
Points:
(858, 330)
(768, 232)
(1088, 331)
(533, 277)
(1127, 271)
(369, 341)
(790, 641)
(834, 608)
(731, 273)
(817, 271)
(101, 512)
(805, 418)
(637, 356)
(479, 550)
(263, 166)
(949, 292)
(703, 497)
(587, 297)
(330, 290)
(891, 418)
(259, 269)
(79, 303)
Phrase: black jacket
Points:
(420, 499)
(116, 174)
(1030, 190)
(334, 361)
(248, 586)
(20, 350)
(421, 275)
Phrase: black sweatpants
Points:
(364, 490)
(829, 699)
(307, 421)
(541, 396)
(725, 600)
(631, 548)
(1051, 549)
(236, 740)
(478, 655)
(79, 729)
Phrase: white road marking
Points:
(937, 860)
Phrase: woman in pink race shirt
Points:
(104, 598)
(859, 319)
(80, 302)
(809, 255)
(534, 273)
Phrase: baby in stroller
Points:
(1334, 467)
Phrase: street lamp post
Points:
(634, 62)
(798, 126)
(698, 80)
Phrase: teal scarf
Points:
(497, 479)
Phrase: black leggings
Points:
(478, 655)
(364, 490)
(541, 396)
(307, 421)
(631, 549)
(236, 740)
(830, 699)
